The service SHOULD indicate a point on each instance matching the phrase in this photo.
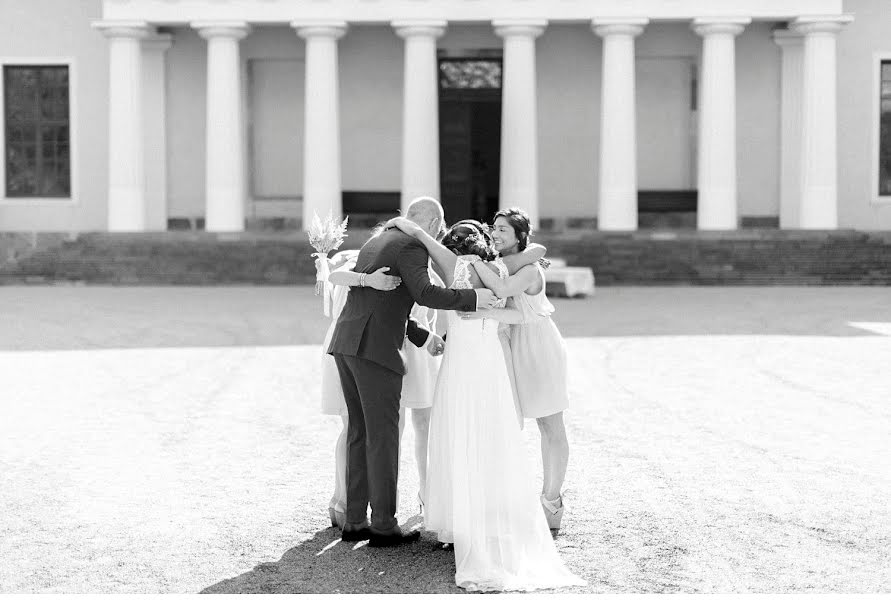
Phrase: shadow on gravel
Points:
(326, 565)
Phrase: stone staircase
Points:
(645, 257)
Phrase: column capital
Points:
(407, 29)
(519, 27)
(713, 26)
(224, 29)
(831, 24)
(787, 37)
(619, 26)
(159, 41)
(124, 29)
(314, 29)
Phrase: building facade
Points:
(142, 115)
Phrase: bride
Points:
(479, 495)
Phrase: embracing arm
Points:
(510, 314)
(441, 255)
(412, 264)
(531, 255)
(513, 285)
(378, 280)
(444, 258)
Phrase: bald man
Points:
(367, 347)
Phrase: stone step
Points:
(744, 257)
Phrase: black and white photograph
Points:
(551, 297)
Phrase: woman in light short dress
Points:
(417, 385)
(421, 370)
(538, 354)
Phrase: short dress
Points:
(538, 354)
(332, 394)
(421, 368)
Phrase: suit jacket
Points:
(373, 324)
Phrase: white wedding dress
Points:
(480, 486)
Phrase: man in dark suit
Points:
(367, 347)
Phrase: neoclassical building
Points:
(144, 115)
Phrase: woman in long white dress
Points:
(480, 496)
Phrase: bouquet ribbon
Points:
(322, 274)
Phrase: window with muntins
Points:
(37, 125)
(885, 129)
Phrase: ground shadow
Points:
(326, 565)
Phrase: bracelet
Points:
(362, 277)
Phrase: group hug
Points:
(500, 361)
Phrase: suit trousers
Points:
(372, 395)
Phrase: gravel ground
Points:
(168, 440)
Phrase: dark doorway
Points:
(469, 137)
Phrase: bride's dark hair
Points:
(470, 237)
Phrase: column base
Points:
(321, 202)
(225, 210)
(818, 209)
(618, 209)
(716, 210)
(606, 225)
(126, 209)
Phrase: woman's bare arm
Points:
(510, 314)
(531, 255)
(513, 285)
(340, 259)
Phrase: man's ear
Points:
(435, 224)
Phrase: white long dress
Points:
(480, 490)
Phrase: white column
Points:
(792, 64)
(819, 160)
(519, 118)
(225, 168)
(155, 129)
(126, 170)
(420, 109)
(618, 132)
(321, 142)
(717, 123)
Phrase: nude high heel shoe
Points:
(338, 517)
(553, 510)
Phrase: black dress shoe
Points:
(383, 540)
(354, 533)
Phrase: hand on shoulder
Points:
(404, 225)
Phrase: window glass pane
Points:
(885, 132)
(36, 115)
(19, 175)
(21, 87)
